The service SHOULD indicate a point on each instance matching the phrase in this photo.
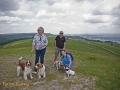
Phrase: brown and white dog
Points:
(40, 70)
(57, 64)
(25, 67)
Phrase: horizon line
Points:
(58, 33)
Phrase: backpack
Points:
(70, 55)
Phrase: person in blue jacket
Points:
(66, 59)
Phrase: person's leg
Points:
(37, 54)
(60, 50)
(56, 54)
(42, 55)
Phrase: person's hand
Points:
(32, 50)
(41, 46)
(63, 48)
(58, 60)
(64, 68)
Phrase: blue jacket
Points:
(66, 60)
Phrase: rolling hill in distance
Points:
(4, 38)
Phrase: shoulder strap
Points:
(66, 55)
(70, 56)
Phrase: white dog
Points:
(57, 64)
(25, 67)
(69, 72)
(40, 70)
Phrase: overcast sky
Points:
(70, 16)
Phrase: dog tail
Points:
(20, 58)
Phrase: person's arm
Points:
(46, 41)
(64, 43)
(55, 43)
(61, 58)
(33, 45)
(70, 61)
(32, 48)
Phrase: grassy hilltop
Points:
(96, 64)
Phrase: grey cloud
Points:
(97, 12)
(8, 13)
(117, 22)
(50, 2)
(6, 6)
(33, 0)
(9, 5)
(85, 0)
(79, 0)
(116, 11)
(94, 21)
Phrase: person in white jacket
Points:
(40, 42)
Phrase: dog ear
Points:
(37, 65)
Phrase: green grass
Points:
(91, 59)
(108, 46)
(50, 77)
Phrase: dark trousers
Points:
(40, 54)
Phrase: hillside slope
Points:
(96, 67)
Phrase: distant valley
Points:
(98, 37)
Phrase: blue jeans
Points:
(40, 54)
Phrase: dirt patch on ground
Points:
(55, 79)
